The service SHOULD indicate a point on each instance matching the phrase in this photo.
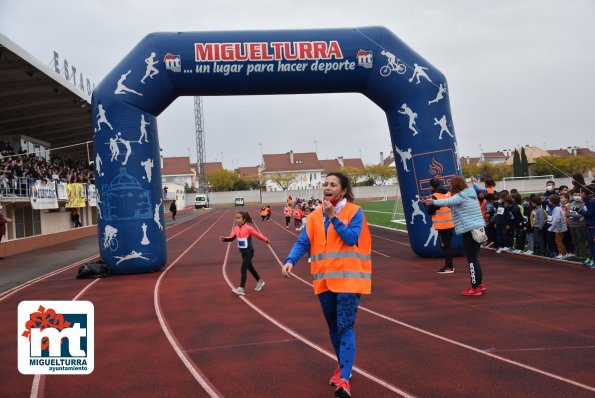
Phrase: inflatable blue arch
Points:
(163, 66)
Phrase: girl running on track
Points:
(287, 213)
(243, 233)
(339, 242)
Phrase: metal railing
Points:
(17, 187)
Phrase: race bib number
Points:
(243, 243)
(500, 211)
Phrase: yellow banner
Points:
(75, 195)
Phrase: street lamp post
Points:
(259, 175)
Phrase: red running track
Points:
(181, 332)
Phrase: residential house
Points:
(304, 167)
(177, 170)
(494, 157)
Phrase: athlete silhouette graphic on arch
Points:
(122, 89)
(405, 110)
(443, 126)
(419, 71)
(151, 70)
(101, 118)
(143, 128)
(439, 96)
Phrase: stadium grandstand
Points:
(45, 141)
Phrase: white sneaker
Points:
(517, 251)
(502, 249)
(529, 252)
(259, 285)
(239, 291)
(560, 257)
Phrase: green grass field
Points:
(381, 213)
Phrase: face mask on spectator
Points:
(577, 198)
(549, 188)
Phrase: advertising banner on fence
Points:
(61, 190)
(43, 195)
(92, 195)
(75, 195)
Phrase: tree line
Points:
(227, 180)
(545, 165)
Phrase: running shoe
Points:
(482, 288)
(259, 285)
(335, 378)
(343, 389)
(445, 270)
(587, 262)
(591, 264)
(471, 292)
(239, 291)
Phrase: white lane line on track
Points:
(196, 373)
(305, 340)
(240, 345)
(39, 379)
(15, 289)
(428, 333)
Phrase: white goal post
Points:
(526, 184)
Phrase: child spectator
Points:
(588, 212)
(538, 218)
(76, 219)
(501, 220)
(558, 225)
(576, 225)
(490, 210)
(518, 222)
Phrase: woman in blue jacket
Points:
(467, 216)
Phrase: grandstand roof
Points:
(39, 103)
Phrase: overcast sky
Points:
(519, 71)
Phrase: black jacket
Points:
(432, 209)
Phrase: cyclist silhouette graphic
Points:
(394, 64)
(109, 238)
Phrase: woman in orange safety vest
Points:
(338, 240)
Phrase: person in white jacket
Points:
(467, 216)
(558, 226)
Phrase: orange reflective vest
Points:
(334, 265)
(442, 219)
(490, 189)
(264, 212)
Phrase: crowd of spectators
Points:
(557, 223)
(18, 170)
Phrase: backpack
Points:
(93, 270)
